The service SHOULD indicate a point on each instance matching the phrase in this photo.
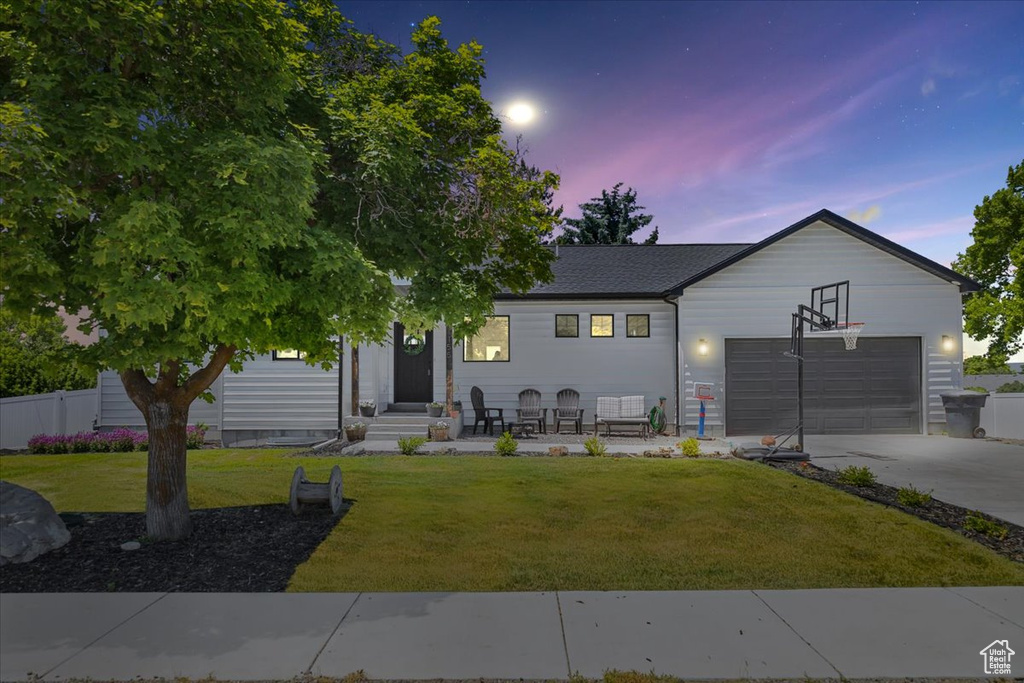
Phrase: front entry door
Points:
(414, 366)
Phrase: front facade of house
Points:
(652, 320)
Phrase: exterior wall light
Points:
(947, 343)
(702, 347)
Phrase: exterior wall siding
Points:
(605, 366)
(756, 297)
(117, 410)
(281, 395)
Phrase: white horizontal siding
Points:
(117, 410)
(282, 394)
(615, 366)
(756, 297)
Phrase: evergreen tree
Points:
(611, 218)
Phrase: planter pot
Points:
(434, 412)
(457, 406)
(367, 412)
(438, 434)
(355, 433)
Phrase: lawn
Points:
(506, 524)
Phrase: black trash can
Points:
(963, 413)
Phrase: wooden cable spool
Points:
(305, 492)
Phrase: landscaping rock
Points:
(131, 545)
(558, 451)
(29, 526)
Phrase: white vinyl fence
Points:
(1003, 416)
(62, 412)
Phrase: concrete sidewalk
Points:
(852, 633)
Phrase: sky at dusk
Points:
(733, 120)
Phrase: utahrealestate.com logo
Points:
(997, 658)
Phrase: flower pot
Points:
(438, 434)
(355, 433)
(434, 411)
(457, 406)
(367, 411)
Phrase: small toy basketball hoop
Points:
(703, 391)
(850, 332)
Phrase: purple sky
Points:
(733, 120)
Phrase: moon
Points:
(521, 113)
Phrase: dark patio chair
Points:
(529, 410)
(484, 414)
(568, 409)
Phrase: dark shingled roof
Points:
(627, 271)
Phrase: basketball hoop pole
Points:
(833, 298)
(700, 421)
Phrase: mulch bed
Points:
(238, 549)
(936, 511)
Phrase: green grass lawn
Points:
(504, 524)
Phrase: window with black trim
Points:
(490, 344)
(638, 325)
(567, 325)
(288, 354)
(602, 325)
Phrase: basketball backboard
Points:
(832, 302)
(703, 391)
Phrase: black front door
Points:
(414, 364)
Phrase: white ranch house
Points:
(652, 320)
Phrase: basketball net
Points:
(850, 332)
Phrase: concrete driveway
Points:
(980, 474)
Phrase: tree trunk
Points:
(164, 405)
(167, 515)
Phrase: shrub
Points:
(410, 445)
(690, 447)
(595, 446)
(975, 522)
(120, 440)
(506, 445)
(856, 476)
(195, 436)
(912, 497)
(1014, 387)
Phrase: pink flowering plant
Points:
(120, 440)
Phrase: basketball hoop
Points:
(850, 332)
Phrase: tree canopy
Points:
(996, 261)
(215, 180)
(984, 365)
(612, 218)
(35, 358)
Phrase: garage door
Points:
(874, 389)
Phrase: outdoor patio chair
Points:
(484, 414)
(529, 410)
(568, 409)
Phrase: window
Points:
(490, 344)
(567, 325)
(638, 325)
(288, 354)
(602, 325)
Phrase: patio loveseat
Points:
(625, 410)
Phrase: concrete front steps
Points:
(391, 426)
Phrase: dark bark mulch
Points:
(936, 511)
(236, 549)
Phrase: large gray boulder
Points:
(29, 526)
